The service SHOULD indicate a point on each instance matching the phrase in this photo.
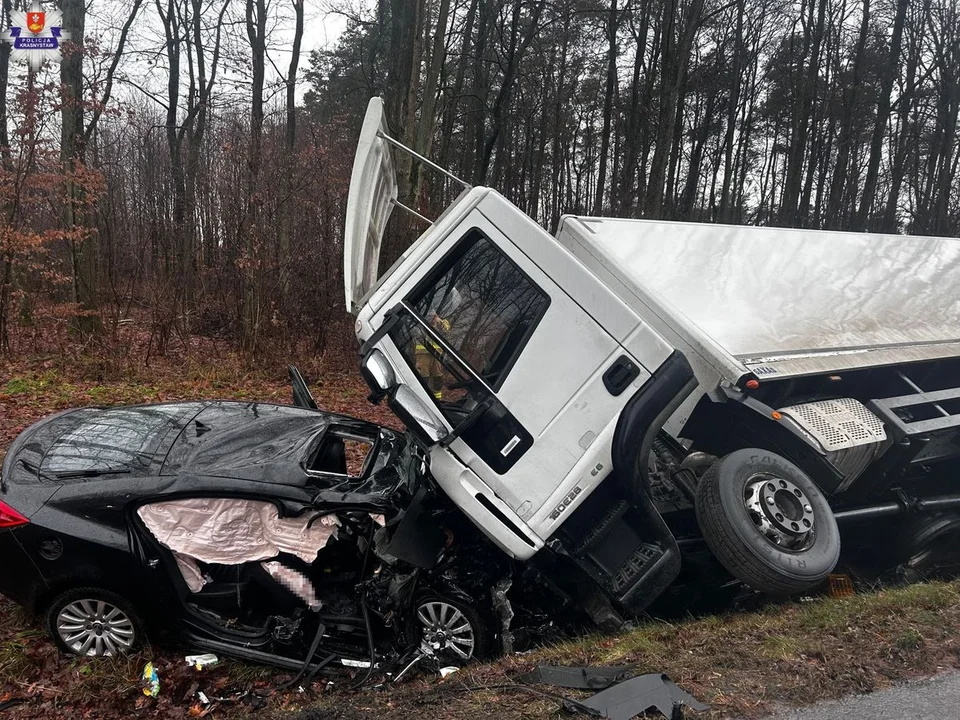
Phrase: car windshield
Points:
(119, 440)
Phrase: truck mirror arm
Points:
(390, 319)
(468, 422)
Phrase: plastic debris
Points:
(577, 678)
(199, 662)
(640, 695)
(446, 672)
(840, 586)
(150, 681)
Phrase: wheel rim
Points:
(782, 512)
(95, 628)
(446, 628)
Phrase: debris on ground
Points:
(199, 662)
(619, 699)
(640, 695)
(150, 681)
(577, 678)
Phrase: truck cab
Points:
(567, 414)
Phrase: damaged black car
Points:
(272, 533)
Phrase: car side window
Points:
(482, 306)
(341, 453)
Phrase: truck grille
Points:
(851, 436)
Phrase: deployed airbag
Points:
(233, 531)
(192, 574)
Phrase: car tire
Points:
(92, 622)
(767, 522)
(439, 618)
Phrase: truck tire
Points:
(767, 522)
(928, 545)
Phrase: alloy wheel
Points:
(446, 629)
(95, 628)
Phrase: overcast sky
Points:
(144, 66)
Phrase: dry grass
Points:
(743, 664)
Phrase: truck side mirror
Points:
(379, 375)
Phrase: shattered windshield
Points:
(119, 440)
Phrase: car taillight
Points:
(9, 517)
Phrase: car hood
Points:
(253, 441)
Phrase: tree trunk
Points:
(726, 206)
(624, 203)
(798, 142)
(518, 43)
(5, 48)
(287, 212)
(83, 237)
(611, 84)
(431, 91)
(256, 21)
(836, 212)
(868, 198)
(673, 69)
(888, 222)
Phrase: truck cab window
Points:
(495, 435)
(482, 306)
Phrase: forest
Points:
(184, 169)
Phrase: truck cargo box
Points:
(781, 302)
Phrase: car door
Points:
(494, 343)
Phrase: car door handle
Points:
(618, 376)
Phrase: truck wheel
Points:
(928, 545)
(767, 522)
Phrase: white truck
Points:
(596, 400)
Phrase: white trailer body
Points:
(779, 302)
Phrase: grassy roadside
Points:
(743, 664)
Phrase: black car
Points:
(279, 534)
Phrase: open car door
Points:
(302, 397)
(372, 195)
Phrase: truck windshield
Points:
(482, 306)
(454, 388)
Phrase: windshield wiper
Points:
(90, 473)
(36, 471)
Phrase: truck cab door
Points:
(515, 368)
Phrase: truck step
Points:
(602, 527)
(634, 567)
